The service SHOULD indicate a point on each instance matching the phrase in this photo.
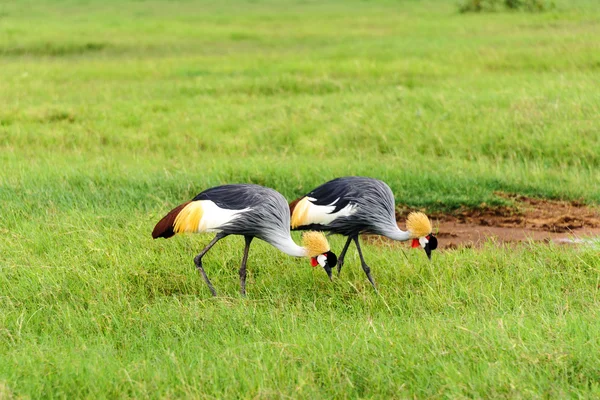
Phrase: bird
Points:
(249, 210)
(353, 205)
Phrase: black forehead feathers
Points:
(433, 243)
(331, 258)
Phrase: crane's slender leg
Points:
(198, 260)
(243, 266)
(364, 264)
(340, 262)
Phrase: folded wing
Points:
(323, 205)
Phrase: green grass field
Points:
(112, 113)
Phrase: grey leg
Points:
(243, 266)
(340, 262)
(364, 264)
(198, 261)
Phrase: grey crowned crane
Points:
(247, 210)
(353, 205)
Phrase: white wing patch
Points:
(214, 217)
(307, 213)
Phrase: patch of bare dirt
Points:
(529, 219)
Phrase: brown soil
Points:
(529, 219)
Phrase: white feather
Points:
(322, 259)
(321, 214)
(214, 217)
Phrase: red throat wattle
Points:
(314, 262)
(415, 243)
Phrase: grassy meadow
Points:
(113, 112)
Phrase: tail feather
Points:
(164, 227)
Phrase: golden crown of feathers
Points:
(418, 224)
(315, 242)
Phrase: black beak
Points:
(431, 245)
(428, 252)
(330, 263)
(328, 269)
